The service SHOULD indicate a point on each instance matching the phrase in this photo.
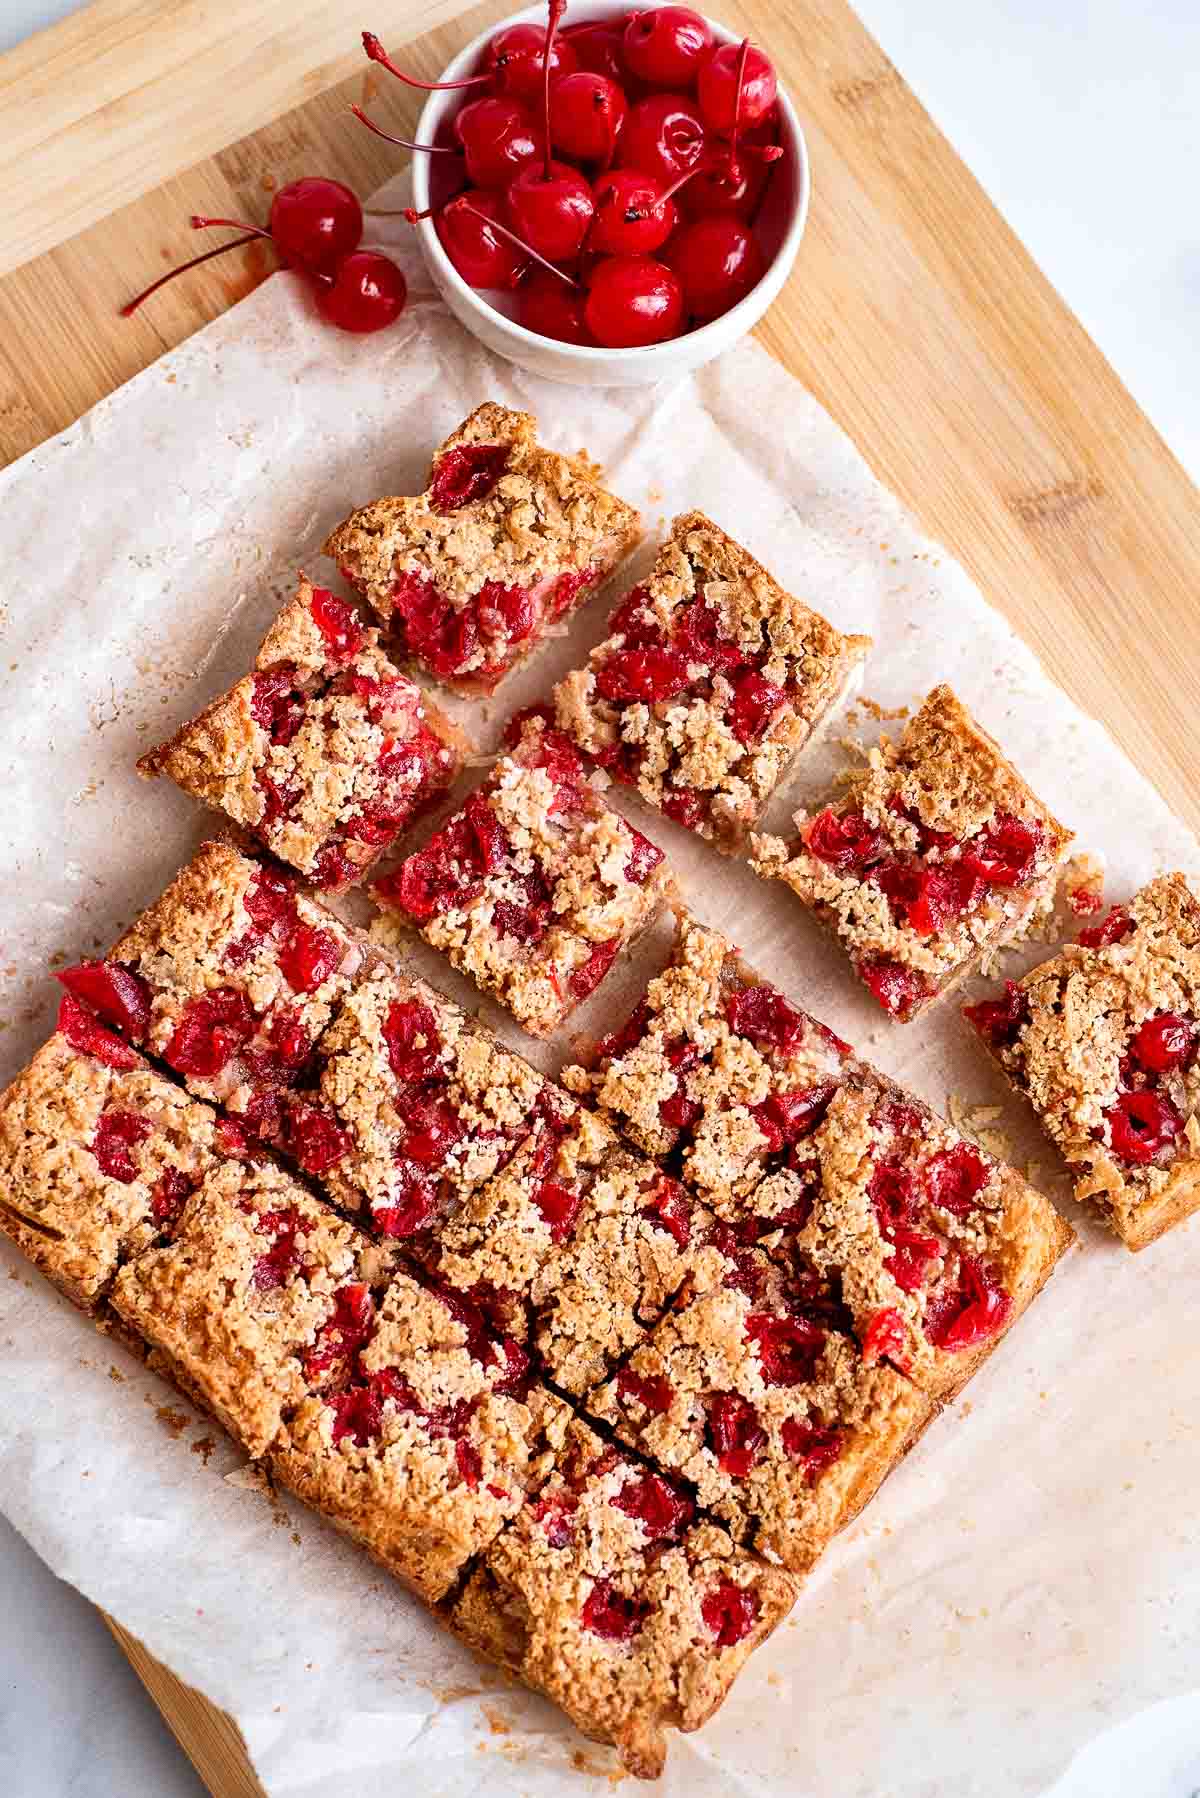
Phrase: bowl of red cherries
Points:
(608, 196)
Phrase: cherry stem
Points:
(557, 9)
(405, 143)
(668, 193)
(743, 53)
(201, 224)
(377, 53)
(131, 306)
(526, 249)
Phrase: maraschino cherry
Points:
(633, 301)
(551, 206)
(666, 46)
(737, 83)
(717, 262)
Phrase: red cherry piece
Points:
(211, 1028)
(433, 1129)
(730, 1612)
(413, 1044)
(663, 137)
(598, 47)
(315, 222)
(338, 624)
(586, 113)
(481, 254)
(632, 218)
(619, 1042)
(115, 993)
(467, 1460)
(552, 309)
(960, 1315)
(171, 1190)
(465, 473)
(1142, 1126)
(756, 704)
(1164, 1042)
(270, 900)
(1000, 1021)
(281, 1261)
(643, 674)
(309, 958)
(662, 1511)
(117, 1133)
(886, 1335)
(559, 1207)
(645, 858)
(928, 900)
(898, 989)
(735, 1433)
(841, 840)
(498, 138)
(1115, 928)
(433, 631)
(516, 58)
(671, 1208)
(367, 293)
(665, 47)
(415, 1203)
(717, 260)
(551, 208)
(633, 301)
(343, 1334)
(610, 1614)
(787, 1347)
(587, 977)
(315, 1138)
(955, 1177)
(680, 1112)
(812, 1447)
(764, 1015)
(786, 1118)
(730, 96)
(1005, 852)
(653, 1391)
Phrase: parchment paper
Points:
(1030, 1578)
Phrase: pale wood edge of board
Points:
(208, 1736)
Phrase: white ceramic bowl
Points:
(779, 228)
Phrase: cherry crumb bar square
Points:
(746, 1391)
(611, 1596)
(326, 753)
(937, 854)
(534, 887)
(1102, 1040)
(429, 1441)
(715, 1073)
(711, 680)
(97, 1155)
(506, 541)
(575, 1248)
(255, 1295)
(229, 977)
(411, 1106)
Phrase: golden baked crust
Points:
(76, 1222)
(433, 1446)
(543, 518)
(533, 888)
(239, 1296)
(325, 753)
(758, 671)
(772, 1416)
(1066, 1035)
(586, 1243)
(672, 1589)
(943, 778)
(431, 1102)
(226, 926)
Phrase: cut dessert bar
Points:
(1102, 1040)
(712, 678)
(506, 541)
(433, 1442)
(937, 853)
(611, 1597)
(715, 1072)
(97, 1155)
(534, 887)
(934, 1247)
(229, 977)
(574, 1248)
(261, 1293)
(415, 1105)
(776, 1418)
(326, 752)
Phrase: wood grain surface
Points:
(914, 315)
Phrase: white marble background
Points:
(1081, 120)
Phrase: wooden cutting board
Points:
(914, 315)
